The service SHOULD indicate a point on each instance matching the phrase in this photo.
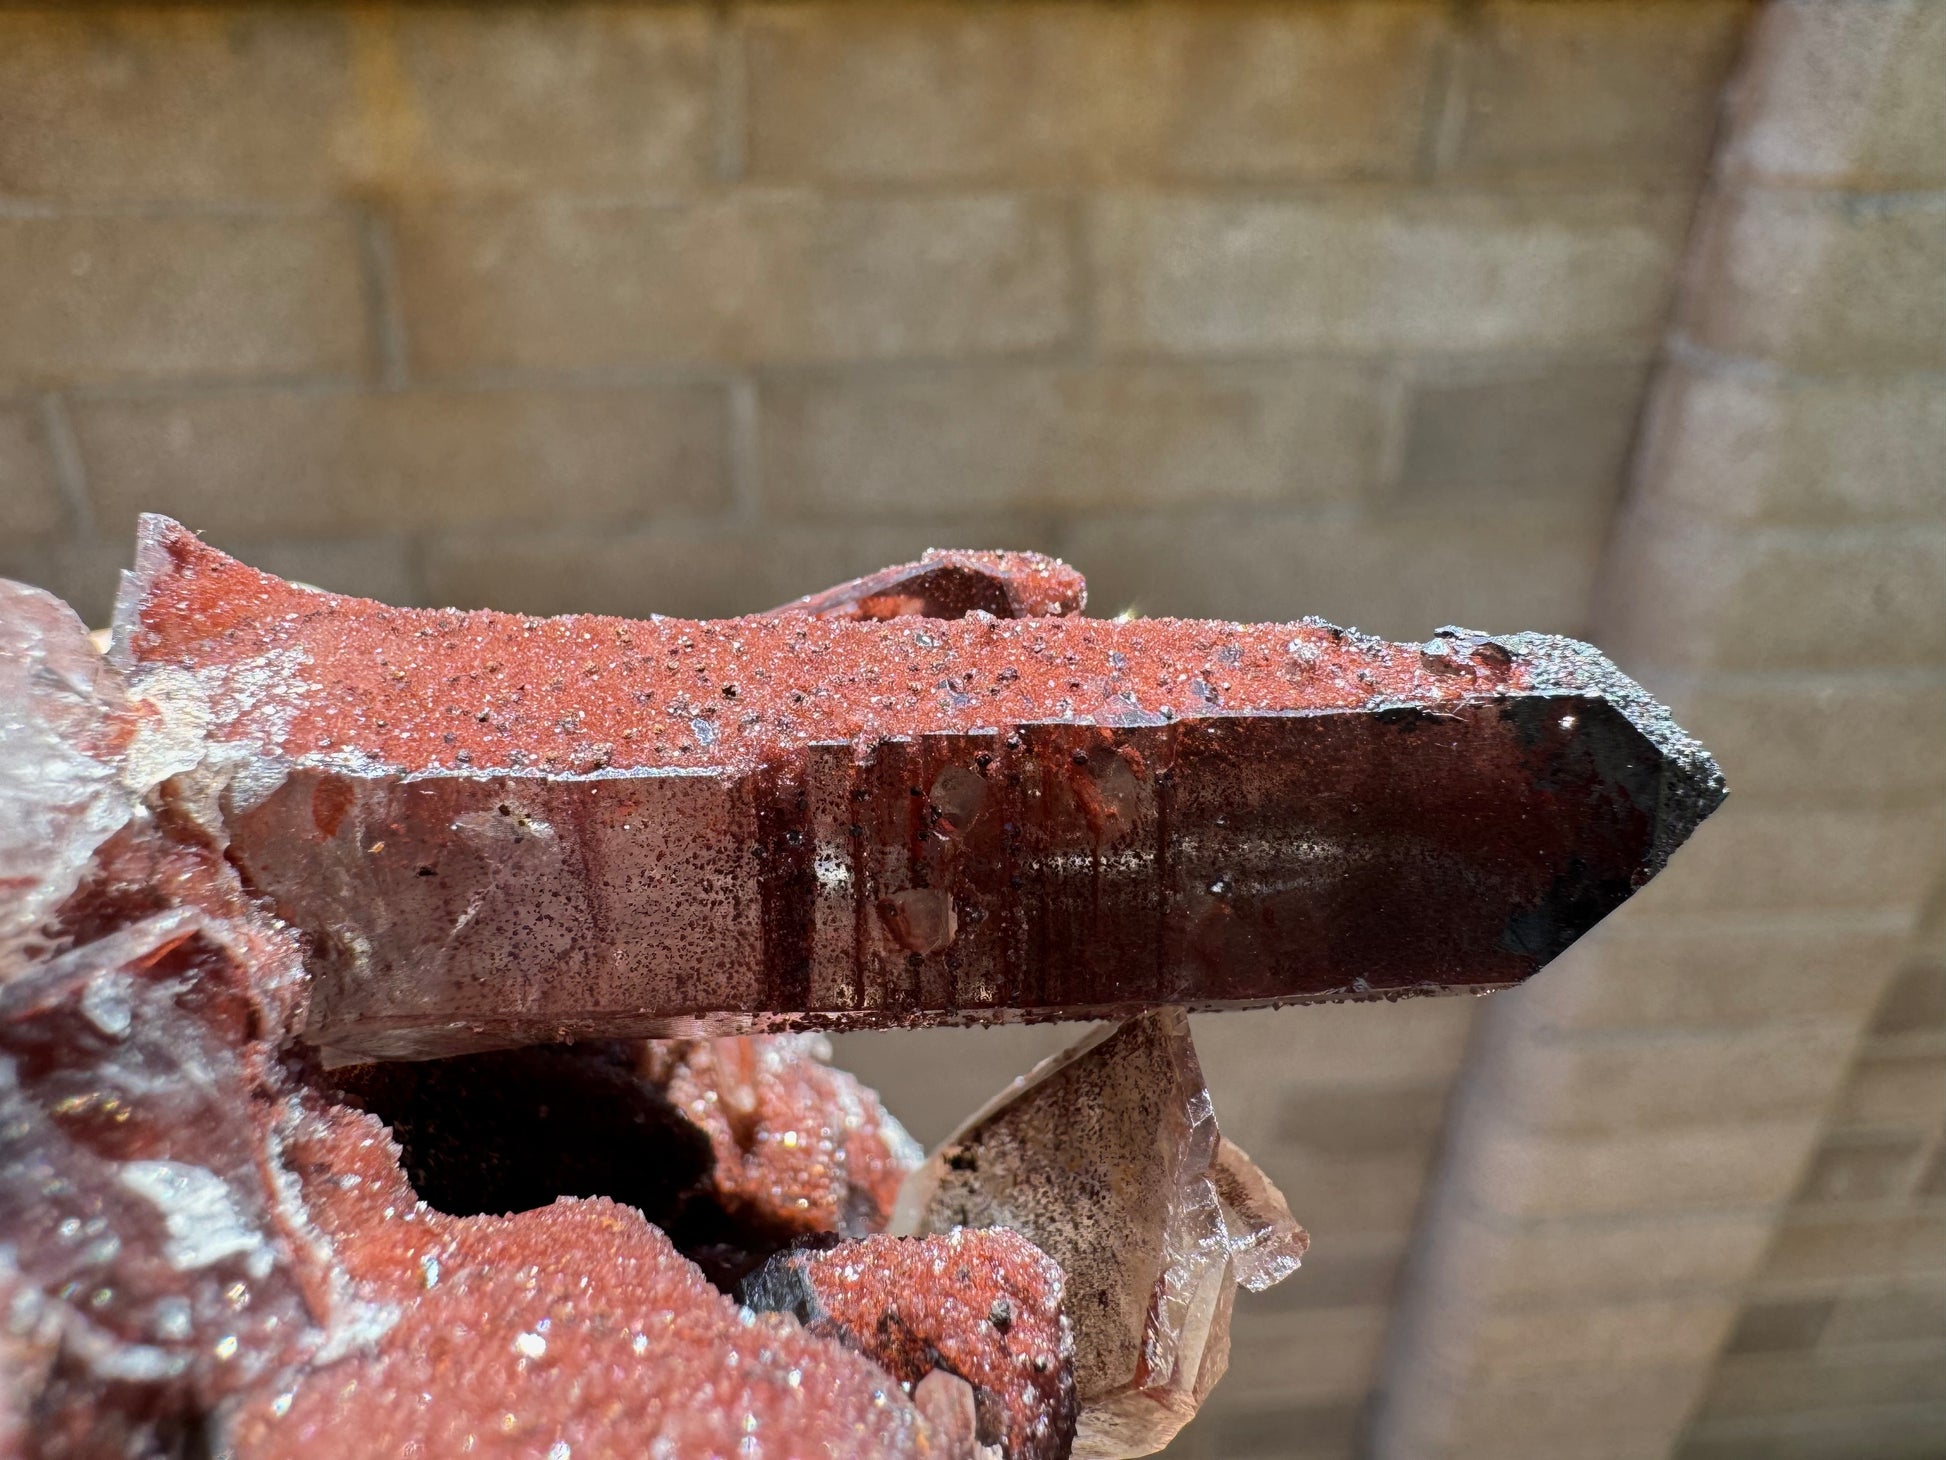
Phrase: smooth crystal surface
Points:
(1108, 1157)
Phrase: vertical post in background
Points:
(1631, 1129)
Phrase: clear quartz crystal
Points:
(1108, 1158)
(1266, 1245)
(61, 790)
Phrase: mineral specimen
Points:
(796, 1147)
(1107, 1156)
(496, 830)
(733, 1147)
(207, 1247)
(577, 1329)
(279, 835)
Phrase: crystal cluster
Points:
(333, 938)
(210, 1240)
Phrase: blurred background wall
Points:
(1620, 319)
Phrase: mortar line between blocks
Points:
(730, 96)
(70, 473)
(745, 450)
(1444, 110)
(386, 319)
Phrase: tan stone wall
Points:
(1686, 1206)
(691, 308)
(1397, 311)
(1825, 347)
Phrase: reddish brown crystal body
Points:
(491, 831)
(795, 821)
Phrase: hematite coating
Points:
(496, 830)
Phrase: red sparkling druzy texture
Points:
(203, 1249)
(953, 585)
(986, 1306)
(577, 1324)
(310, 675)
(796, 1147)
(498, 829)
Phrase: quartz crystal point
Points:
(495, 830)
(62, 791)
(1108, 1157)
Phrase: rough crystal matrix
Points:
(986, 1307)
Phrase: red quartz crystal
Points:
(496, 830)
(280, 833)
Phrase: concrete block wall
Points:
(1837, 1348)
(1816, 322)
(690, 308)
(1247, 309)
(1684, 1205)
(1402, 312)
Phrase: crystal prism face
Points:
(1108, 1158)
(497, 830)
